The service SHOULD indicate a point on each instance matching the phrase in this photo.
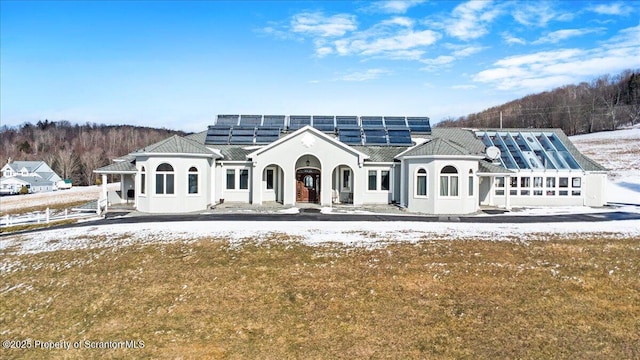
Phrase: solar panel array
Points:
(529, 150)
(364, 130)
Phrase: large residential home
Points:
(357, 161)
(37, 176)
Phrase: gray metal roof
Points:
(490, 168)
(31, 166)
(465, 138)
(234, 152)
(176, 145)
(380, 153)
(118, 167)
(437, 146)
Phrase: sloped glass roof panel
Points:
(399, 137)
(273, 121)
(395, 122)
(299, 121)
(419, 124)
(217, 135)
(324, 123)
(371, 122)
(375, 137)
(350, 135)
(342, 121)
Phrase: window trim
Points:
(372, 174)
(143, 181)
(449, 176)
(470, 184)
(417, 174)
(190, 173)
(266, 179)
(165, 175)
(388, 180)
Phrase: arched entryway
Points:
(273, 184)
(308, 174)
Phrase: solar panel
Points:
(395, 122)
(267, 135)
(217, 135)
(273, 121)
(250, 120)
(342, 121)
(299, 121)
(371, 122)
(227, 120)
(375, 136)
(242, 135)
(419, 124)
(350, 135)
(399, 137)
(324, 123)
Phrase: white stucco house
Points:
(37, 176)
(358, 161)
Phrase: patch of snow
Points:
(76, 193)
(358, 233)
(292, 210)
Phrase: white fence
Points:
(42, 217)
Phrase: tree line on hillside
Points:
(74, 151)
(606, 103)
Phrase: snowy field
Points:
(618, 151)
(75, 194)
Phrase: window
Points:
(346, 179)
(470, 183)
(269, 179)
(373, 179)
(384, 180)
(164, 179)
(143, 180)
(499, 184)
(564, 182)
(537, 182)
(448, 181)
(244, 179)
(193, 180)
(421, 182)
(551, 182)
(576, 182)
(231, 179)
(513, 185)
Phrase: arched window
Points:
(164, 179)
(193, 180)
(470, 182)
(421, 182)
(449, 181)
(143, 180)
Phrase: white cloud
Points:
(463, 87)
(510, 39)
(394, 6)
(560, 35)
(539, 14)
(325, 26)
(612, 9)
(437, 63)
(369, 74)
(544, 70)
(465, 51)
(471, 20)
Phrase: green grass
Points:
(281, 299)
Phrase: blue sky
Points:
(178, 64)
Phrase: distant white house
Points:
(358, 161)
(37, 176)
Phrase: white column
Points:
(507, 192)
(403, 184)
(289, 186)
(492, 190)
(256, 184)
(104, 187)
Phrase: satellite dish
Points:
(492, 152)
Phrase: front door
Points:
(308, 185)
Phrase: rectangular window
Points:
(159, 183)
(169, 184)
(244, 179)
(470, 185)
(373, 178)
(499, 184)
(575, 192)
(384, 180)
(269, 179)
(551, 182)
(422, 185)
(524, 192)
(537, 182)
(143, 183)
(454, 186)
(551, 193)
(513, 182)
(231, 179)
(563, 193)
(576, 182)
(193, 183)
(346, 179)
(564, 182)
(525, 182)
(537, 192)
(444, 186)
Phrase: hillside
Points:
(74, 151)
(606, 103)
